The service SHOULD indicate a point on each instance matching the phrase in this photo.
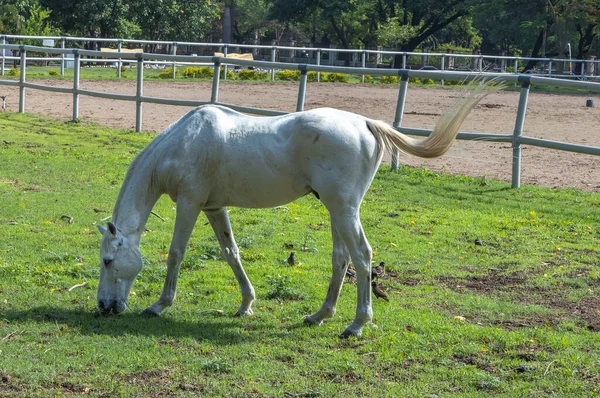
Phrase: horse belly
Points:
(250, 187)
(254, 191)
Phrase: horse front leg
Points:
(219, 220)
(339, 264)
(187, 214)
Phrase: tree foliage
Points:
(534, 28)
(174, 20)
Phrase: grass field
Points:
(493, 291)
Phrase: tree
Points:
(394, 34)
(423, 18)
(539, 28)
(10, 20)
(251, 21)
(186, 20)
(93, 18)
(576, 21)
(38, 23)
(515, 27)
(346, 21)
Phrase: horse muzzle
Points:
(105, 306)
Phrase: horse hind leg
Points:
(219, 220)
(339, 263)
(350, 230)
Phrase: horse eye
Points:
(107, 261)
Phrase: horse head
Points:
(120, 263)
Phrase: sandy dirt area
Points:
(549, 116)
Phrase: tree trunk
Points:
(431, 27)
(342, 38)
(586, 38)
(535, 52)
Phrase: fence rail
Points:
(587, 69)
(516, 138)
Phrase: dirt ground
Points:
(549, 116)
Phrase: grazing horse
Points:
(214, 157)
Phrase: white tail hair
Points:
(445, 130)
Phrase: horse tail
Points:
(445, 130)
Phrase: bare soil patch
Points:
(586, 310)
(561, 117)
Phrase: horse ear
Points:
(101, 228)
(112, 228)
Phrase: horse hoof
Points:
(149, 312)
(347, 333)
(247, 312)
(311, 321)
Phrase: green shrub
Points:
(230, 74)
(389, 80)
(415, 80)
(335, 77)
(427, 81)
(311, 77)
(251, 74)
(168, 73)
(13, 72)
(202, 72)
(52, 72)
(246, 74)
(288, 75)
(368, 79)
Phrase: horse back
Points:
(228, 158)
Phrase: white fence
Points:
(517, 138)
(576, 69)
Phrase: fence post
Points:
(225, 52)
(3, 53)
(302, 88)
(139, 91)
(404, 61)
(516, 139)
(22, 79)
(364, 65)
(174, 64)
(273, 56)
(403, 73)
(76, 70)
(318, 63)
(119, 63)
(214, 96)
(443, 65)
(62, 57)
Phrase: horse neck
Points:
(135, 202)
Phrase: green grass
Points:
(514, 315)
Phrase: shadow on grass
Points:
(219, 329)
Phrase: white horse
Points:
(214, 157)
